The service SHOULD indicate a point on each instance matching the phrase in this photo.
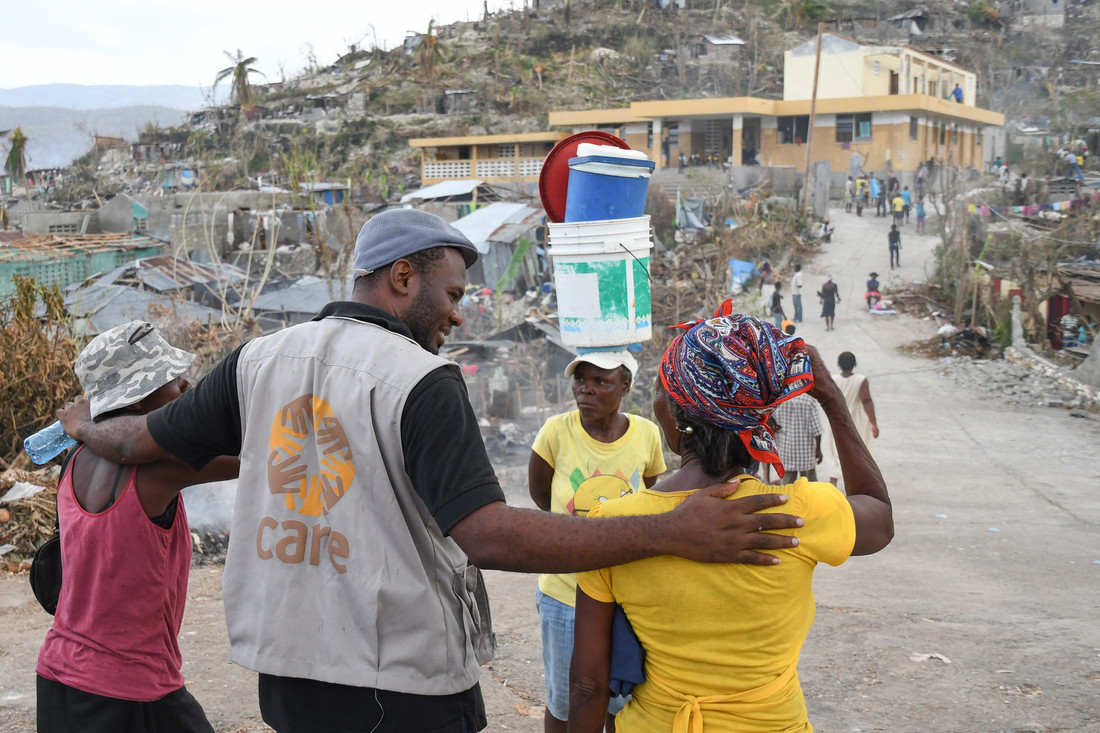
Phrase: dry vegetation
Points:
(37, 350)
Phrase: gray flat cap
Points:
(398, 233)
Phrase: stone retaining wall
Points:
(1027, 358)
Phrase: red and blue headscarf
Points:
(732, 371)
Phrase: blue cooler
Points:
(605, 187)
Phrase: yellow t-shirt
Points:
(899, 203)
(587, 472)
(717, 630)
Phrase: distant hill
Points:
(56, 137)
(106, 96)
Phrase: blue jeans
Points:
(797, 300)
(556, 620)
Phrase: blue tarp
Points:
(740, 273)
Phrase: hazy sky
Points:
(157, 42)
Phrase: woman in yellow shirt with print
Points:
(579, 459)
(722, 641)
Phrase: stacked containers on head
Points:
(601, 251)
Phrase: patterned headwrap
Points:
(731, 372)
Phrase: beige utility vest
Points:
(336, 571)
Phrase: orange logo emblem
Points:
(312, 480)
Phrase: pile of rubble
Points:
(975, 343)
(28, 511)
(1010, 382)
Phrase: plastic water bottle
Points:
(48, 443)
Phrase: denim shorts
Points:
(556, 620)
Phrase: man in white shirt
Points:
(796, 293)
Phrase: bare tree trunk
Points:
(681, 62)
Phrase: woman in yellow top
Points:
(579, 459)
(722, 641)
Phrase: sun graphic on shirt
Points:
(599, 487)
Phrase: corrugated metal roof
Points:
(501, 222)
(164, 274)
(308, 295)
(443, 190)
(105, 306)
(911, 14)
(724, 40)
(323, 186)
(55, 246)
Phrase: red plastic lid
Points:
(554, 178)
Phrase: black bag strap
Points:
(114, 491)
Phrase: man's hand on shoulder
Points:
(713, 529)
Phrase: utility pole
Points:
(813, 116)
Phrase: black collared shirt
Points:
(444, 454)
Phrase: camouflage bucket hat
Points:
(126, 364)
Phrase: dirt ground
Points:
(982, 615)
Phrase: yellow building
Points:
(515, 158)
(878, 107)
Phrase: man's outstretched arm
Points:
(705, 528)
(125, 439)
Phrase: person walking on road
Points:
(895, 246)
(798, 438)
(778, 315)
(876, 194)
(849, 194)
(367, 504)
(796, 293)
(920, 215)
(766, 284)
(829, 297)
(857, 393)
(897, 204)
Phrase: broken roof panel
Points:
(306, 296)
(911, 14)
(501, 222)
(166, 274)
(66, 259)
(723, 40)
(324, 186)
(444, 190)
(101, 307)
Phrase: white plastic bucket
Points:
(601, 272)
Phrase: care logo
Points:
(311, 481)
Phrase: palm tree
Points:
(241, 89)
(15, 165)
(429, 53)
